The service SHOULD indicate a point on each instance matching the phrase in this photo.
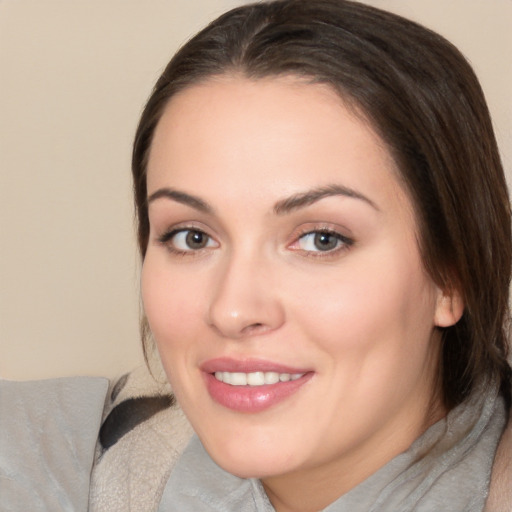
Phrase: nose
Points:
(245, 301)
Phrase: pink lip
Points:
(226, 364)
(250, 399)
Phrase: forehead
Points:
(278, 131)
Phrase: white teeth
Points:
(271, 378)
(238, 379)
(255, 378)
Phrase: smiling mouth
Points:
(255, 378)
(252, 385)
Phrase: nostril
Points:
(254, 328)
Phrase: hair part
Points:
(425, 102)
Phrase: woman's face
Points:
(283, 283)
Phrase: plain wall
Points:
(74, 77)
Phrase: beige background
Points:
(74, 75)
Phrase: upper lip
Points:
(226, 364)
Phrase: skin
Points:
(361, 318)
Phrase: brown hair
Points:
(425, 101)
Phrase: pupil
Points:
(325, 241)
(196, 240)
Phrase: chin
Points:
(252, 468)
(246, 459)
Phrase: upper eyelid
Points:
(172, 231)
(346, 239)
(162, 222)
(322, 227)
(183, 226)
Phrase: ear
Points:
(449, 308)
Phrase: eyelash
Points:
(343, 242)
(166, 240)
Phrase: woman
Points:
(325, 233)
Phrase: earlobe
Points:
(449, 308)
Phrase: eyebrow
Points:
(309, 197)
(282, 207)
(181, 197)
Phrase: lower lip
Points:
(252, 398)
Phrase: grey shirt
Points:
(447, 469)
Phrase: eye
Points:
(187, 240)
(322, 241)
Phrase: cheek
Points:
(379, 306)
(172, 307)
(374, 331)
(171, 302)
